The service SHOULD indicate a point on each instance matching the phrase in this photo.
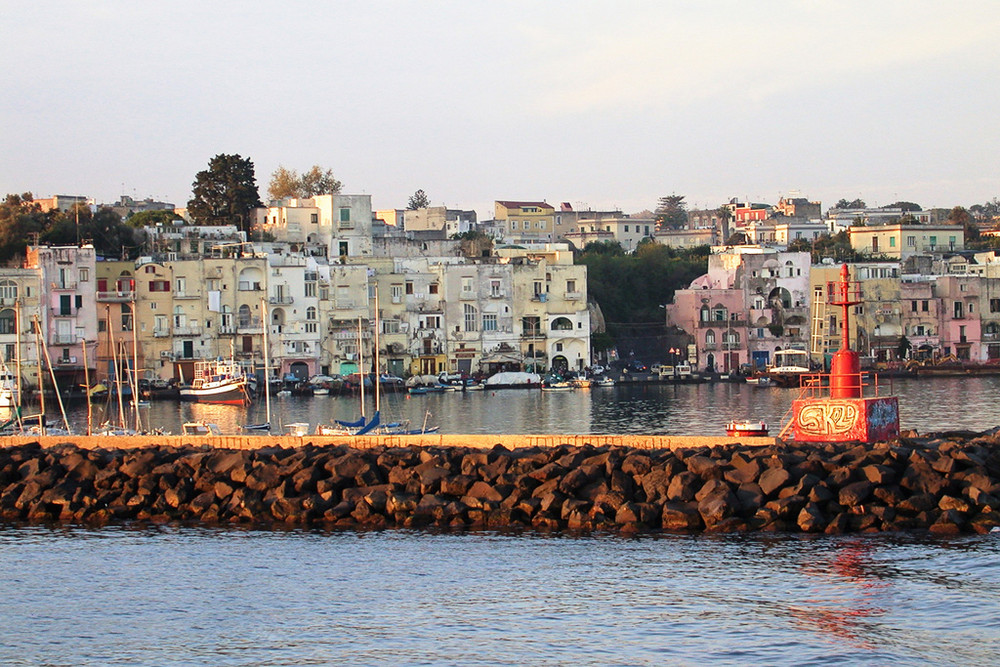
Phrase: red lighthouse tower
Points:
(834, 408)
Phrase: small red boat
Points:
(746, 429)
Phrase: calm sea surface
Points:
(120, 596)
(125, 595)
(687, 409)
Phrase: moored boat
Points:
(218, 381)
(746, 428)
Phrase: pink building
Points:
(68, 316)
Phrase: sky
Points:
(605, 105)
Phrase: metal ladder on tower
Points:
(819, 337)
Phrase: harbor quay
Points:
(945, 483)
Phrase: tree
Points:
(671, 212)
(907, 206)
(104, 228)
(151, 218)
(418, 200)
(960, 216)
(857, 203)
(225, 192)
(286, 183)
(20, 218)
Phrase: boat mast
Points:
(135, 366)
(114, 361)
(375, 353)
(55, 385)
(267, 367)
(17, 361)
(361, 368)
(86, 382)
(41, 372)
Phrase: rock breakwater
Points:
(945, 483)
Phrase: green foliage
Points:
(472, 235)
(604, 248)
(152, 218)
(838, 247)
(857, 203)
(20, 218)
(418, 200)
(224, 193)
(286, 183)
(907, 206)
(671, 212)
(631, 288)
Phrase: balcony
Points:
(280, 300)
(250, 327)
(227, 331)
(65, 360)
(574, 296)
(63, 339)
(187, 331)
(541, 298)
(533, 334)
(186, 295)
(64, 285)
(59, 311)
(116, 297)
(161, 333)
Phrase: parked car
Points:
(636, 366)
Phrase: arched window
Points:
(710, 338)
(8, 290)
(471, 319)
(311, 313)
(562, 324)
(244, 316)
(720, 313)
(706, 314)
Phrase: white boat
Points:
(8, 388)
(201, 428)
(604, 382)
(218, 381)
(746, 428)
(789, 367)
(557, 386)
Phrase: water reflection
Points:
(699, 409)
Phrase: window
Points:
(924, 306)
(84, 275)
(8, 290)
(432, 288)
(494, 292)
(390, 326)
(311, 313)
(911, 241)
(126, 317)
(570, 285)
(314, 218)
(345, 215)
(913, 306)
(513, 225)
(159, 285)
(181, 285)
(892, 241)
(397, 293)
(310, 289)
(467, 288)
(8, 322)
(995, 305)
(933, 241)
(409, 287)
(470, 317)
(432, 322)
(537, 288)
(710, 338)
(489, 321)
(626, 229)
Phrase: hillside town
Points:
(459, 295)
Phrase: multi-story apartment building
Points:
(441, 220)
(628, 232)
(900, 241)
(340, 223)
(67, 318)
(878, 320)
(525, 221)
(20, 291)
(294, 315)
(344, 308)
(753, 300)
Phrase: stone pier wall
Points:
(947, 483)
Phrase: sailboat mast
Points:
(361, 367)
(86, 382)
(135, 365)
(375, 353)
(17, 360)
(41, 372)
(267, 365)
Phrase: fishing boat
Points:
(604, 382)
(789, 367)
(746, 428)
(557, 386)
(217, 381)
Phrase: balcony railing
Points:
(280, 300)
(64, 285)
(161, 333)
(186, 295)
(115, 296)
(574, 296)
(59, 311)
(63, 339)
(187, 331)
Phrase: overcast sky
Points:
(600, 104)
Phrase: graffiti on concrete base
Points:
(828, 418)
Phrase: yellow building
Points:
(526, 222)
(900, 241)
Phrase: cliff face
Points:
(947, 484)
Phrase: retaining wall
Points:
(947, 483)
